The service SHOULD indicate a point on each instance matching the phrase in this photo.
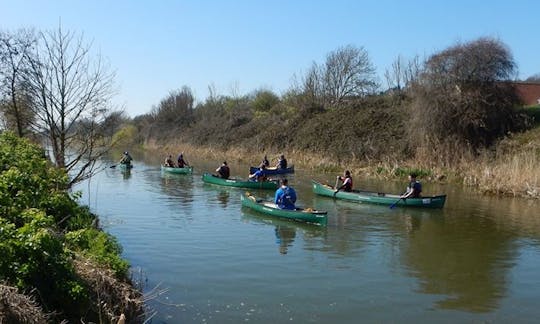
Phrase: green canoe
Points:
(307, 215)
(378, 197)
(238, 183)
(177, 170)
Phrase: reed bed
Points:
(513, 170)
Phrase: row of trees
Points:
(461, 97)
(53, 86)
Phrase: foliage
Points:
(125, 135)
(174, 111)
(100, 247)
(462, 95)
(39, 223)
(264, 100)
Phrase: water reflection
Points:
(465, 259)
(126, 173)
(223, 197)
(285, 232)
(284, 237)
(472, 261)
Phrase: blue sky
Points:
(240, 46)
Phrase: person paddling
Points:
(259, 175)
(181, 162)
(169, 162)
(224, 171)
(414, 188)
(347, 182)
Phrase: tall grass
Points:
(512, 168)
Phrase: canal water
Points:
(202, 258)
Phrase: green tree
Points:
(264, 100)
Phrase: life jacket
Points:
(286, 200)
(417, 186)
(224, 172)
(283, 164)
(348, 185)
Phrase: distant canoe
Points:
(125, 166)
(239, 183)
(185, 170)
(378, 197)
(273, 171)
(307, 215)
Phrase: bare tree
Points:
(348, 72)
(402, 73)
(534, 78)
(173, 112)
(72, 92)
(15, 48)
(312, 85)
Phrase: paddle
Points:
(113, 166)
(395, 204)
(336, 186)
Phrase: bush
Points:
(99, 246)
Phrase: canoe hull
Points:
(269, 208)
(273, 171)
(238, 183)
(378, 197)
(187, 170)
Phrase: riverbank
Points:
(57, 264)
(510, 169)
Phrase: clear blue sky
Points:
(240, 46)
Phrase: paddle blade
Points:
(113, 166)
(394, 204)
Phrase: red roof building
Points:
(528, 92)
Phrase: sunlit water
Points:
(205, 259)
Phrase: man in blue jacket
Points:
(285, 196)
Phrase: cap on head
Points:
(126, 153)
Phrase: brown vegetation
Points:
(446, 118)
(18, 308)
(111, 297)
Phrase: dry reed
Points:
(18, 308)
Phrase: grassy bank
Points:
(56, 262)
(511, 168)
(378, 136)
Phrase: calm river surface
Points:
(212, 261)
